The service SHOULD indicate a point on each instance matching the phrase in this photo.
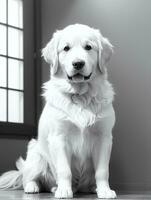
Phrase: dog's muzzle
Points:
(79, 77)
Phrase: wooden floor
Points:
(19, 195)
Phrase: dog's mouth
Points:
(79, 77)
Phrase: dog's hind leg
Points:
(35, 167)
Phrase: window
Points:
(11, 61)
(18, 81)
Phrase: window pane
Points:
(15, 106)
(15, 43)
(3, 11)
(3, 101)
(2, 39)
(2, 71)
(15, 74)
(15, 13)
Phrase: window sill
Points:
(8, 129)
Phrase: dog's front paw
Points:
(63, 192)
(31, 187)
(106, 193)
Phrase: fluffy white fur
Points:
(74, 142)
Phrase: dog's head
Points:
(77, 52)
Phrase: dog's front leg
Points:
(61, 159)
(101, 158)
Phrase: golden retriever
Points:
(74, 142)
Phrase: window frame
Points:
(32, 74)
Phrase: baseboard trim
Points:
(131, 187)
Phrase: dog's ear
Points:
(50, 53)
(105, 51)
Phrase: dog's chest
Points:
(80, 141)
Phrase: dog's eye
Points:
(88, 47)
(66, 48)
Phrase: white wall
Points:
(127, 24)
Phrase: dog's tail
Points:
(12, 179)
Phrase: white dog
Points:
(74, 142)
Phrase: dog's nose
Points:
(78, 64)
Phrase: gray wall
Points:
(127, 24)
(10, 151)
